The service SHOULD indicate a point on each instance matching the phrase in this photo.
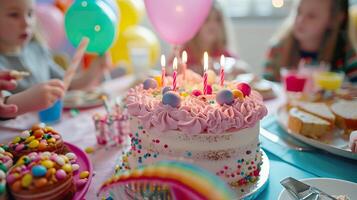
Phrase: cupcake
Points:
(5, 163)
(43, 175)
(38, 139)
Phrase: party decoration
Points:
(93, 19)
(137, 36)
(149, 84)
(171, 98)
(225, 97)
(50, 19)
(244, 88)
(63, 5)
(185, 181)
(166, 89)
(177, 21)
(131, 12)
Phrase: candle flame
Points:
(184, 57)
(175, 64)
(205, 61)
(163, 61)
(223, 60)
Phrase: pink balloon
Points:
(51, 20)
(177, 21)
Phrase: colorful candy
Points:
(48, 164)
(33, 144)
(39, 170)
(71, 156)
(172, 99)
(166, 89)
(225, 97)
(67, 168)
(196, 93)
(75, 167)
(40, 182)
(89, 150)
(25, 134)
(81, 182)
(209, 89)
(61, 174)
(150, 84)
(238, 94)
(84, 174)
(244, 88)
(26, 180)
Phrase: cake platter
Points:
(85, 165)
(252, 191)
(334, 142)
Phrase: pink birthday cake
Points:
(218, 130)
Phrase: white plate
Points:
(83, 99)
(334, 142)
(331, 186)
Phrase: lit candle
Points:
(205, 75)
(223, 61)
(174, 76)
(163, 70)
(184, 64)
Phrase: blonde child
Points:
(213, 37)
(20, 49)
(317, 32)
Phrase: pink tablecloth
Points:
(79, 130)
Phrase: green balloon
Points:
(93, 19)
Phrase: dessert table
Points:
(79, 130)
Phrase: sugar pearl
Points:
(2, 150)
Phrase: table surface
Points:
(79, 130)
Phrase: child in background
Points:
(21, 49)
(318, 33)
(213, 37)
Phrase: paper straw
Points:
(78, 55)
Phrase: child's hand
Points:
(6, 84)
(44, 95)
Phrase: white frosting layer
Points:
(231, 155)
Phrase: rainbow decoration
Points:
(185, 181)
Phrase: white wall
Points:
(252, 37)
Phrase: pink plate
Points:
(85, 165)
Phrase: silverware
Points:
(283, 142)
(302, 191)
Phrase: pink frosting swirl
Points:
(196, 115)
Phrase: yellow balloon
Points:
(137, 36)
(131, 12)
